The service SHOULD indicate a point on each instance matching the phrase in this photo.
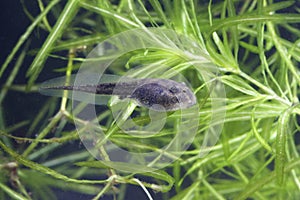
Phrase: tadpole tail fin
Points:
(81, 88)
(87, 87)
(77, 93)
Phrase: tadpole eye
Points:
(174, 100)
(174, 90)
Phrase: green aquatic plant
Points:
(250, 47)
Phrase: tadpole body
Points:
(155, 94)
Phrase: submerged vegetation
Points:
(253, 46)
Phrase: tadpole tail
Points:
(123, 89)
(104, 89)
(101, 89)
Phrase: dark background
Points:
(13, 24)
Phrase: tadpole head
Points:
(182, 96)
(164, 94)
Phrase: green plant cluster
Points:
(256, 48)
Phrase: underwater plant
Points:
(236, 61)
